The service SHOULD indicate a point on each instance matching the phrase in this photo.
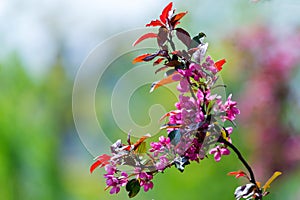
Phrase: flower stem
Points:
(241, 158)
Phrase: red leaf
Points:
(164, 15)
(183, 36)
(95, 165)
(150, 57)
(140, 141)
(143, 37)
(174, 63)
(101, 161)
(177, 17)
(177, 52)
(238, 174)
(158, 61)
(155, 23)
(219, 64)
(162, 36)
(140, 58)
(162, 82)
(168, 114)
(165, 126)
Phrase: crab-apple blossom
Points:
(195, 124)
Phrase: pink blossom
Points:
(218, 152)
(145, 180)
(183, 86)
(231, 109)
(162, 163)
(161, 146)
(113, 181)
(209, 65)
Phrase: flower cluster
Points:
(196, 123)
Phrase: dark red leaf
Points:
(177, 52)
(155, 23)
(163, 53)
(164, 15)
(101, 161)
(140, 58)
(175, 19)
(143, 37)
(158, 61)
(150, 57)
(174, 25)
(183, 36)
(162, 36)
(173, 63)
(219, 64)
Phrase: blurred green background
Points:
(43, 44)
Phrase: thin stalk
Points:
(241, 158)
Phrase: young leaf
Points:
(140, 58)
(150, 57)
(164, 15)
(162, 36)
(238, 174)
(210, 106)
(95, 165)
(219, 64)
(158, 61)
(101, 161)
(165, 126)
(174, 112)
(133, 187)
(174, 63)
(273, 177)
(143, 37)
(177, 17)
(141, 148)
(154, 23)
(140, 141)
(183, 36)
(162, 82)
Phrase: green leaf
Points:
(141, 148)
(210, 106)
(133, 187)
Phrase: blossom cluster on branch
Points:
(196, 123)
